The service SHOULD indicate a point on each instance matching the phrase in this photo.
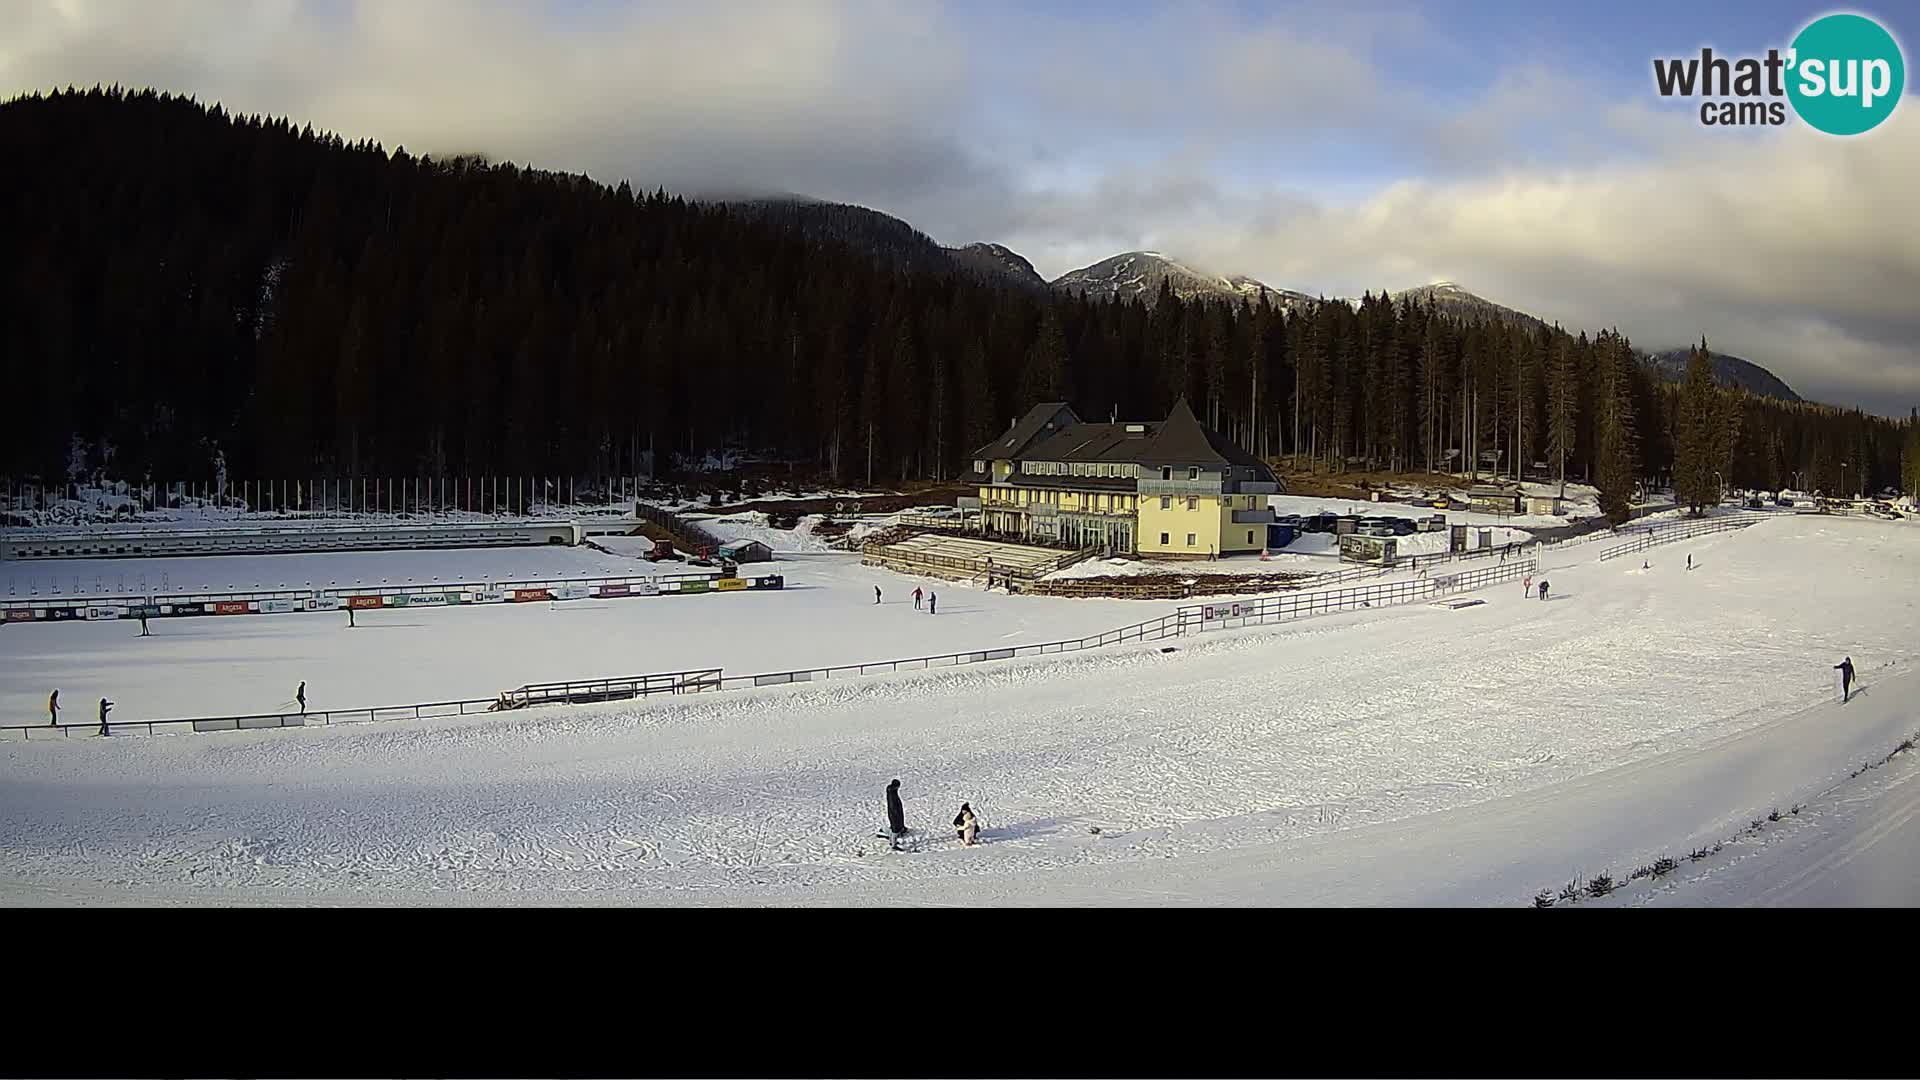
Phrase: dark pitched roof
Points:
(1025, 430)
(1092, 443)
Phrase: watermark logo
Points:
(1843, 75)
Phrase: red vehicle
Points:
(662, 549)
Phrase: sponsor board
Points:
(770, 581)
(324, 603)
(419, 599)
(61, 613)
(232, 607)
(613, 590)
(646, 588)
(490, 596)
(570, 592)
(692, 586)
(19, 615)
(96, 613)
(278, 606)
(366, 601)
(521, 596)
(729, 584)
(146, 611)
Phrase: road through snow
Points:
(1410, 755)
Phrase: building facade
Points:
(1169, 488)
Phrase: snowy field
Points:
(1404, 755)
(214, 666)
(323, 570)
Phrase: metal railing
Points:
(1257, 610)
(1668, 532)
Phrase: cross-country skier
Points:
(966, 824)
(1845, 668)
(300, 696)
(1689, 560)
(53, 709)
(1543, 588)
(916, 598)
(933, 603)
(876, 594)
(105, 708)
(896, 814)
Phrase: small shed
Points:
(746, 551)
(1548, 505)
(1494, 500)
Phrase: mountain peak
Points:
(1139, 274)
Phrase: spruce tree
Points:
(1697, 466)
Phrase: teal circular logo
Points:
(1845, 75)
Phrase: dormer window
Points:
(1193, 472)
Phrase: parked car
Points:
(1405, 526)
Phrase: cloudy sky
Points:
(1514, 146)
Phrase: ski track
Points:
(1238, 738)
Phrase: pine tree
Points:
(1613, 428)
(1697, 466)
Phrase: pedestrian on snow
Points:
(896, 814)
(1526, 585)
(143, 625)
(916, 598)
(1845, 668)
(1543, 588)
(349, 615)
(53, 709)
(933, 603)
(876, 594)
(105, 708)
(967, 824)
(300, 696)
(1689, 560)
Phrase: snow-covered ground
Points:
(321, 570)
(1404, 755)
(243, 664)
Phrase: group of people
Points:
(105, 707)
(966, 824)
(932, 598)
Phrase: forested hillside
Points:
(180, 282)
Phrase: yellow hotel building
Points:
(1170, 488)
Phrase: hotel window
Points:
(1189, 539)
(1193, 472)
(1193, 502)
(1163, 539)
(1166, 502)
(1249, 536)
(1166, 472)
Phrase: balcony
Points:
(967, 502)
(1257, 487)
(1179, 487)
(1253, 517)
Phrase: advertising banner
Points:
(280, 606)
(613, 590)
(646, 588)
(692, 586)
(232, 607)
(490, 596)
(419, 599)
(19, 615)
(570, 592)
(95, 613)
(324, 603)
(521, 596)
(729, 584)
(359, 602)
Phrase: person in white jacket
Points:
(967, 824)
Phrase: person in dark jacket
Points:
(896, 814)
(300, 696)
(1845, 668)
(876, 594)
(1543, 588)
(105, 708)
(933, 603)
(967, 824)
(916, 598)
(53, 709)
